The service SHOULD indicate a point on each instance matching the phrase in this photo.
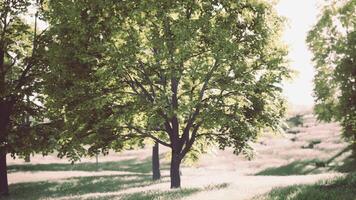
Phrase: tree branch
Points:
(196, 112)
(138, 130)
(189, 143)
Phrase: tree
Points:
(19, 70)
(156, 173)
(198, 70)
(181, 73)
(77, 90)
(333, 43)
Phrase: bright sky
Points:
(302, 15)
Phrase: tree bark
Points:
(4, 186)
(5, 110)
(175, 170)
(353, 147)
(27, 158)
(156, 174)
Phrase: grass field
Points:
(343, 188)
(308, 163)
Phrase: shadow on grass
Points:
(132, 165)
(295, 168)
(303, 167)
(77, 186)
(335, 189)
(348, 165)
(97, 185)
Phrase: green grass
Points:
(313, 166)
(98, 184)
(141, 177)
(301, 167)
(166, 195)
(304, 167)
(335, 189)
(131, 165)
(77, 186)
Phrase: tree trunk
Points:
(175, 168)
(97, 161)
(27, 158)
(4, 187)
(353, 147)
(5, 110)
(156, 174)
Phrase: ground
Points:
(300, 164)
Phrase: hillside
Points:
(303, 155)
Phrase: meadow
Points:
(307, 162)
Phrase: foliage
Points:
(192, 71)
(180, 73)
(333, 42)
(77, 89)
(22, 129)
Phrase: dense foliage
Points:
(78, 94)
(333, 42)
(182, 73)
(22, 130)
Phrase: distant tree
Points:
(20, 86)
(156, 172)
(333, 42)
(184, 73)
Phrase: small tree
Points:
(333, 42)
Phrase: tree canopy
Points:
(333, 42)
(21, 114)
(181, 73)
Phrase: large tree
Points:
(20, 85)
(333, 42)
(183, 73)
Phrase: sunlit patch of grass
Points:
(216, 187)
(166, 195)
(152, 195)
(336, 189)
